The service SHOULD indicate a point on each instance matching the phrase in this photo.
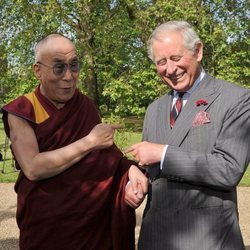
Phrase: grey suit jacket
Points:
(192, 203)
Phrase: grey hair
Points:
(190, 37)
(43, 41)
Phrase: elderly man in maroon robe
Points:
(71, 187)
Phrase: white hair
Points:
(190, 37)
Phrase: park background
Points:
(111, 37)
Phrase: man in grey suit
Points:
(195, 164)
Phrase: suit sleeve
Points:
(224, 166)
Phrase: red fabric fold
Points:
(83, 207)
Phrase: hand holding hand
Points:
(146, 153)
(101, 136)
(137, 188)
(132, 199)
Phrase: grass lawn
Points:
(245, 181)
(124, 138)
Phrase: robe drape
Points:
(83, 207)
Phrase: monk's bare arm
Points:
(36, 165)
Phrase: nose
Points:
(67, 74)
(170, 67)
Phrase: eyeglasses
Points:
(59, 69)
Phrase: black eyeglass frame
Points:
(73, 67)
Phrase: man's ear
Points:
(36, 70)
(199, 51)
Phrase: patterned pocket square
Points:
(201, 118)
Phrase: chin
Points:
(63, 100)
(67, 97)
(180, 86)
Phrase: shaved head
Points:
(57, 68)
(51, 42)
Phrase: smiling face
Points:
(56, 52)
(177, 66)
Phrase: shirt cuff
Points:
(163, 156)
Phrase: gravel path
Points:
(9, 230)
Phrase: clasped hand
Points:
(144, 153)
(137, 187)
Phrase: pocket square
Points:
(201, 118)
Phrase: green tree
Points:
(111, 39)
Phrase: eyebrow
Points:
(161, 59)
(169, 58)
(58, 60)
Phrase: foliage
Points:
(111, 36)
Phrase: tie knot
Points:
(181, 94)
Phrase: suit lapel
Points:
(207, 91)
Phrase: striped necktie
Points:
(176, 109)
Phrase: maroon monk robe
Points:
(82, 208)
